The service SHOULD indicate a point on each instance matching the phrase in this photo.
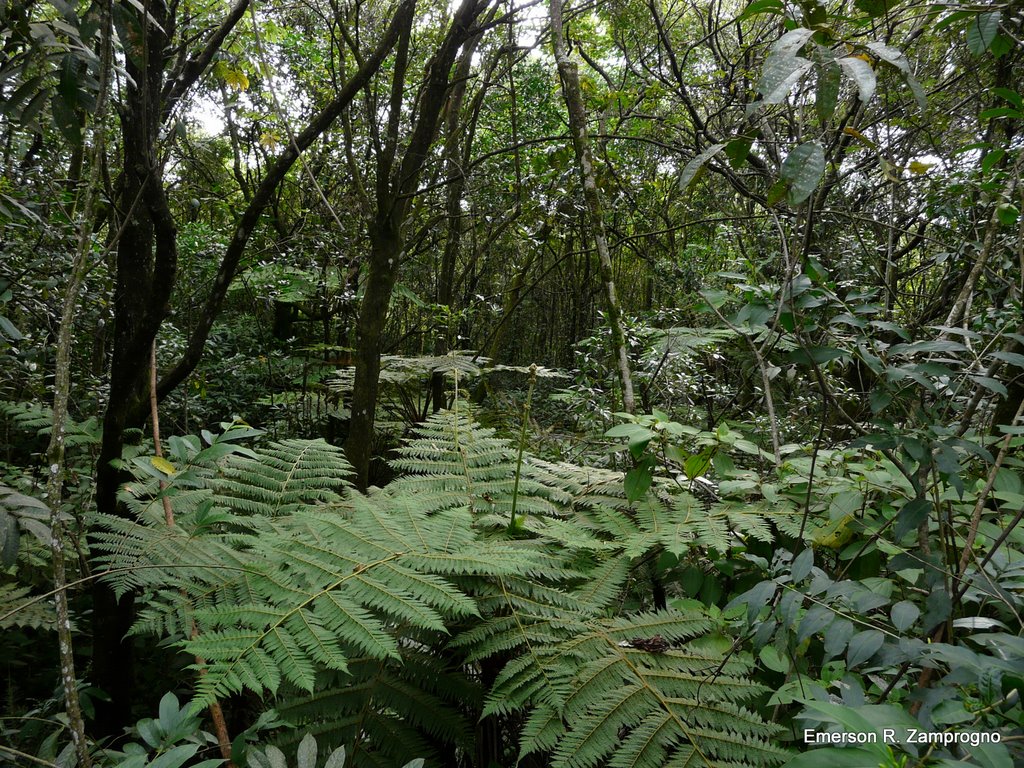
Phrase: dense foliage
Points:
(626, 384)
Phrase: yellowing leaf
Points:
(916, 166)
(236, 78)
(837, 534)
(860, 137)
(163, 465)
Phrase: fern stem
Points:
(154, 413)
(522, 444)
(220, 727)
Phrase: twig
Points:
(766, 382)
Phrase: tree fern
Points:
(372, 617)
(641, 691)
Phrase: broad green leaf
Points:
(861, 73)
(829, 80)
(693, 168)
(990, 755)
(791, 42)
(762, 6)
(738, 149)
(66, 120)
(815, 355)
(904, 614)
(771, 658)
(890, 55)
(632, 431)
(1013, 358)
(815, 620)
(336, 759)
(696, 465)
(838, 636)
(175, 757)
(981, 31)
(306, 755)
(276, 757)
(780, 74)
(930, 346)
(802, 170)
(1007, 214)
(638, 480)
(873, 8)
(1011, 96)
(802, 564)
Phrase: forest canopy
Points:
(483, 383)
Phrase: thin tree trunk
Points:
(62, 397)
(569, 76)
(453, 155)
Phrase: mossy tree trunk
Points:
(571, 92)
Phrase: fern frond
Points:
(637, 707)
(19, 610)
(285, 476)
(453, 461)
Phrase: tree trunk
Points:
(146, 265)
(569, 76)
(396, 190)
(453, 162)
(380, 281)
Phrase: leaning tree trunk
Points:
(570, 78)
(453, 209)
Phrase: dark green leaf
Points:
(693, 168)
(981, 31)
(66, 120)
(815, 355)
(863, 646)
(913, 513)
(8, 329)
(802, 169)
(904, 614)
(837, 637)
(829, 79)
(1007, 213)
(762, 6)
(638, 480)
(738, 149)
(802, 564)
(817, 619)
(873, 8)
(927, 347)
(938, 606)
